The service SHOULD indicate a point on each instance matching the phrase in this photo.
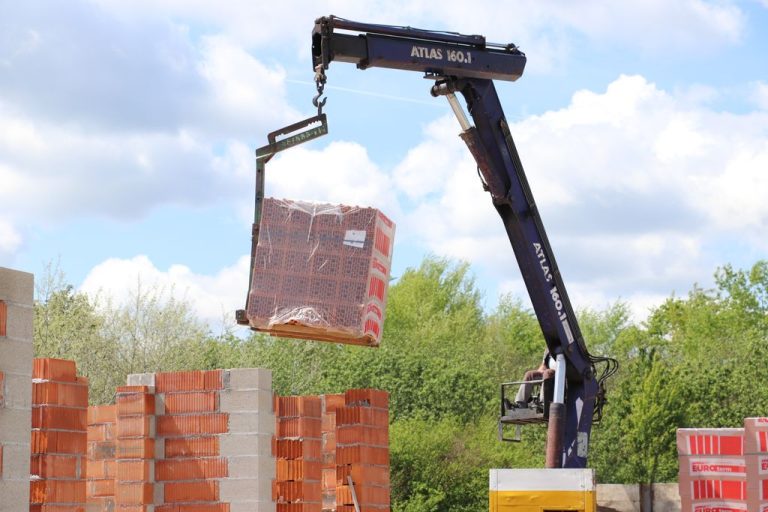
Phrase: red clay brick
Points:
(358, 454)
(299, 507)
(294, 406)
(101, 488)
(213, 379)
(362, 434)
(190, 469)
(141, 448)
(308, 449)
(176, 492)
(190, 424)
(176, 403)
(136, 470)
(135, 403)
(102, 414)
(134, 426)
(103, 450)
(192, 447)
(296, 491)
(58, 442)
(362, 415)
(57, 491)
(61, 370)
(299, 427)
(366, 495)
(298, 469)
(52, 417)
(363, 474)
(59, 393)
(367, 398)
(130, 390)
(197, 507)
(180, 381)
(139, 493)
(3, 317)
(101, 469)
(54, 466)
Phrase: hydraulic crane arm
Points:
(467, 64)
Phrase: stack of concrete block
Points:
(298, 441)
(59, 426)
(362, 451)
(135, 448)
(211, 441)
(756, 459)
(712, 469)
(16, 321)
(321, 271)
(330, 403)
(102, 466)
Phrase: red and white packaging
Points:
(710, 441)
(756, 459)
(321, 272)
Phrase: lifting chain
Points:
(320, 79)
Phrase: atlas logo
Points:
(427, 53)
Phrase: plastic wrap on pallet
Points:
(321, 272)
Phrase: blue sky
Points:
(127, 131)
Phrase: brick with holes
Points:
(321, 272)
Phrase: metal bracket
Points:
(354, 494)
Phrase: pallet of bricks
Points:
(724, 469)
(58, 445)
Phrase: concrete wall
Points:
(638, 498)
(16, 322)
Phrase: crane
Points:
(467, 65)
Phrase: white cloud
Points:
(760, 94)
(633, 184)
(213, 297)
(10, 239)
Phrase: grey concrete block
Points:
(15, 495)
(16, 356)
(256, 422)
(159, 493)
(21, 319)
(252, 466)
(159, 448)
(18, 392)
(141, 379)
(159, 404)
(618, 497)
(15, 425)
(232, 445)
(16, 286)
(15, 462)
(245, 490)
(248, 378)
(254, 400)
(251, 506)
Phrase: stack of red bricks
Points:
(191, 467)
(330, 404)
(362, 451)
(297, 447)
(333, 438)
(134, 484)
(102, 467)
(59, 412)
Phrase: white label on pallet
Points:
(354, 238)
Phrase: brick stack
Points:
(16, 319)
(212, 440)
(712, 469)
(59, 412)
(102, 467)
(362, 451)
(321, 272)
(756, 459)
(135, 449)
(298, 447)
(330, 403)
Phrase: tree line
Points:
(697, 361)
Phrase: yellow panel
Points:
(540, 501)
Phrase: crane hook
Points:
(320, 84)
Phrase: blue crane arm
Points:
(467, 64)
